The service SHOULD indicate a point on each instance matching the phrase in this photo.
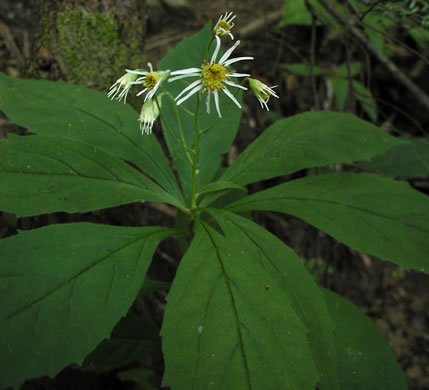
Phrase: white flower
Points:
(122, 86)
(149, 114)
(212, 77)
(151, 80)
(262, 91)
(224, 25)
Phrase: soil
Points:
(397, 301)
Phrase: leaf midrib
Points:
(73, 278)
(276, 199)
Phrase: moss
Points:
(90, 47)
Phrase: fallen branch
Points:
(11, 45)
(395, 71)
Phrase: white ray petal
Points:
(190, 86)
(228, 53)
(232, 60)
(185, 71)
(231, 96)
(183, 76)
(215, 53)
(196, 89)
(142, 92)
(216, 98)
(232, 84)
(238, 75)
(143, 73)
(208, 103)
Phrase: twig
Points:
(313, 53)
(371, 7)
(257, 24)
(400, 76)
(11, 45)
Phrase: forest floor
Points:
(397, 301)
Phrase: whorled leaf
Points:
(365, 358)
(308, 140)
(376, 215)
(62, 290)
(64, 110)
(407, 161)
(234, 319)
(45, 174)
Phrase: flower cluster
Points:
(212, 77)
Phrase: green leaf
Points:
(407, 161)
(361, 93)
(132, 339)
(341, 91)
(45, 174)
(376, 215)
(364, 96)
(63, 110)
(345, 71)
(141, 376)
(151, 285)
(62, 290)
(219, 188)
(296, 12)
(191, 52)
(305, 69)
(365, 359)
(420, 35)
(308, 140)
(247, 309)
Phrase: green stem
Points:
(195, 159)
(179, 123)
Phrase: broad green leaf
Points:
(240, 325)
(62, 290)
(305, 69)
(64, 110)
(297, 284)
(308, 140)
(45, 174)
(365, 359)
(408, 161)
(218, 188)
(376, 215)
(132, 339)
(192, 52)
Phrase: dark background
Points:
(54, 40)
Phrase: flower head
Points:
(224, 25)
(150, 80)
(122, 86)
(262, 91)
(213, 76)
(149, 114)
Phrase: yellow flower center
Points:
(221, 27)
(150, 80)
(213, 75)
